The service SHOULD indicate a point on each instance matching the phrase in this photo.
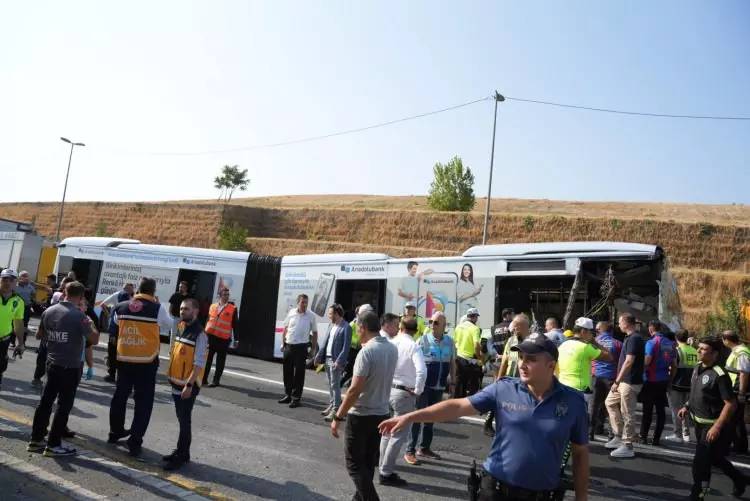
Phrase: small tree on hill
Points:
(231, 179)
(452, 187)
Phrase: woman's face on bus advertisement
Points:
(466, 271)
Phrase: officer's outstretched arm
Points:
(448, 410)
(581, 471)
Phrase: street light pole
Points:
(498, 98)
(65, 189)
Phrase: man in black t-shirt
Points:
(711, 405)
(176, 300)
(622, 400)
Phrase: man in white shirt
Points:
(408, 383)
(389, 325)
(298, 326)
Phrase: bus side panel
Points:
(258, 317)
(473, 286)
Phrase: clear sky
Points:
(142, 77)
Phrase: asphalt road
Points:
(247, 446)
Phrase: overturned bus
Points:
(561, 279)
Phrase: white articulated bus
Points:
(106, 264)
(561, 279)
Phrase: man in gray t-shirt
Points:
(367, 404)
(65, 328)
(376, 363)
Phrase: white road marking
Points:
(76, 491)
(44, 477)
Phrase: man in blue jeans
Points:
(440, 358)
(334, 352)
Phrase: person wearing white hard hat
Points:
(576, 355)
(468, 340)
(410, 311)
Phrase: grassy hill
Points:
(708, 245)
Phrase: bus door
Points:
(200, 286)
(87, 272)
(353, 293)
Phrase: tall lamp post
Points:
(498, 99)
(65, 189)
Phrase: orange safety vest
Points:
(182, 356)
(220, 320)
(138, 330)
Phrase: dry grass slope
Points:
(709, 246)
(153, 223)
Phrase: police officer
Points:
(11, 318)
(537, 417)
(500, 335)
(138, 321)
(738, 367)
(187, 361)
(711, 406)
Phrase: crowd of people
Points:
(134, 320)
(550, 393)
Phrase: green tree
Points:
(727, 317)
(231, 179)
(452, 187)
(233, 237)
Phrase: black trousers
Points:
(468, 378)
(295, 357)
(4, 344)
(653, 394)
(712, 454)
(219, 347)
(739, 438)
(41, 360)
(362, 452)
(598, 412)
(184, 410)
(61, 385)
(141, 380)
(112, 355)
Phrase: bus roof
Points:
(547, 248)
(136, 245)
(334, 258)
(96, 241)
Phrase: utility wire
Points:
(326, 136)
(623, 112)
(435, 112)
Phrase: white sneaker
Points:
(686, 439)
(673, 438)
(614, 443)
(623, 452)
